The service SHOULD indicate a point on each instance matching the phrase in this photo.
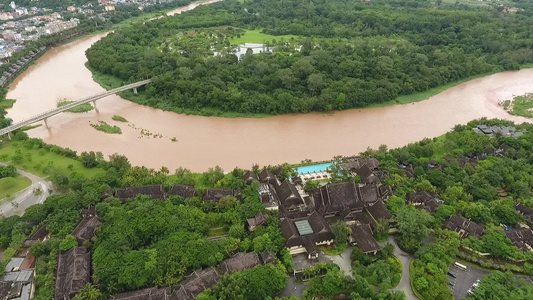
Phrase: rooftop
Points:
(240, 262)
(304, 228)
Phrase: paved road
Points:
(293, 289)
(26, 197)
(343, 260)
(405, 259)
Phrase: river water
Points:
(203, 142)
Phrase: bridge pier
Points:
(135, 90)
(9, 136)
(94, 105)
(46, 123)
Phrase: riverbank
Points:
(110, 82)
(41, 161)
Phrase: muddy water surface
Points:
(203, 142)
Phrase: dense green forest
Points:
(345, 54)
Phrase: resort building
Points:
(362, 237)
(306, 234)
(73, 272)
(522, 238)
(424, 200)
(463, 226)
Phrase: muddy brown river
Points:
(203, 142)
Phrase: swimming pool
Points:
(313, 168)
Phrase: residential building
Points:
(73, 272)
(259, 220)
(424, 200)
(463, 226)
(305, 234)
(362, 237)
(240, 262)
(522, 238)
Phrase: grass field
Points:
(522, 106)
(255, 36)
(9, 186)
(216, 231)
(36, 161)
(7, 103)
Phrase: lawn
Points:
(37, 161)
(9, 186)
(255, 36)
(334, 249)
(7, 103)
(521, 106)
(216, 231)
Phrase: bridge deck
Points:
(55, 111)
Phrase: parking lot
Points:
(464, 280)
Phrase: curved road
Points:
(26, 197)
(406, 259)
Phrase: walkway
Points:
(343, 260)
(294, 288)
(405, 259)
(27, 197)
(47, 114)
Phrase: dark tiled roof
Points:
(321, 231)
(338, 197)
(369, 194)
(266, 176)
(379, 211)
(86, 229)
(362, 235)
(258, 220)
(240, 262)
(40, 234)
(521, 238)
(320, 227)
(288, 195)
(290, 233)
(144, 294)
(154, 191)
(181, 190)
(88, 212)
(268, 257)
(464, 226)
(424, 200)
(366, 174)
(361, 218)
(217, 194)
(196, 283)
(249, 176)
(357, 162)
(73, 272)
(524, 210)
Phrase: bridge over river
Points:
(47, 114)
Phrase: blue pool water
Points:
(313, 168)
